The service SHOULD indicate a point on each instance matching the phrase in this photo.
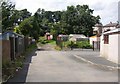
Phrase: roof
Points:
(98, 25)
(93, 36)
(77, 36)
(111, 25)
(3, 35)
(61, 35)
(118, 26)
(112, 31)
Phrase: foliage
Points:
(75, 20)
(78, 44)
(26, 27)
(17, 29)
(43, 40)
(12, 17)
(7, 12)
(84, 44)
(52, 42)
(9, 68)
(58, 48)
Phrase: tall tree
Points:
(12, 17)
(79, 19)
(7, 13)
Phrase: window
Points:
(106, 39)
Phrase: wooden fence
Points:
(5, 50)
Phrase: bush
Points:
(79, 44)
(84, 44)
(42, 40)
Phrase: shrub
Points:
(79, 44)
(42, 40)
(84, 44)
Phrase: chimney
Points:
(110, 22)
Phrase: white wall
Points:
(113, 48)
(103, 48)
(110, 51)
(92, 39)
(119, 48)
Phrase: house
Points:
(110, 42)
(95, 40)
(77, 37)
(97, 29)
(109, 27)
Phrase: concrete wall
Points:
(113, 48)
(110, 51)
(119, 48)
(103, 48)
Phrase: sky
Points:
(106, 9)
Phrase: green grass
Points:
(43, 41)
(52, 42)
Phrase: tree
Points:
(12, 17)
(75, 20)
(79, 19)
(26, 27)
(7, 13)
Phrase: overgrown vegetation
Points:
(78, 44)
(43, 40)
(9, 68)
(58, 48)
(75, 20)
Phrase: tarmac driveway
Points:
(61, 66)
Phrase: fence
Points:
(14, 47)
(5, 50)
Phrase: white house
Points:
(109, 45)
(109, 27)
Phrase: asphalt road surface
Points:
(46, 65)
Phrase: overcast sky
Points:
(107, 9)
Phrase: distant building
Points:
(77, 37)
(97, 29)
(95, 40)
(48, 36)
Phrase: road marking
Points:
(109, 67)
